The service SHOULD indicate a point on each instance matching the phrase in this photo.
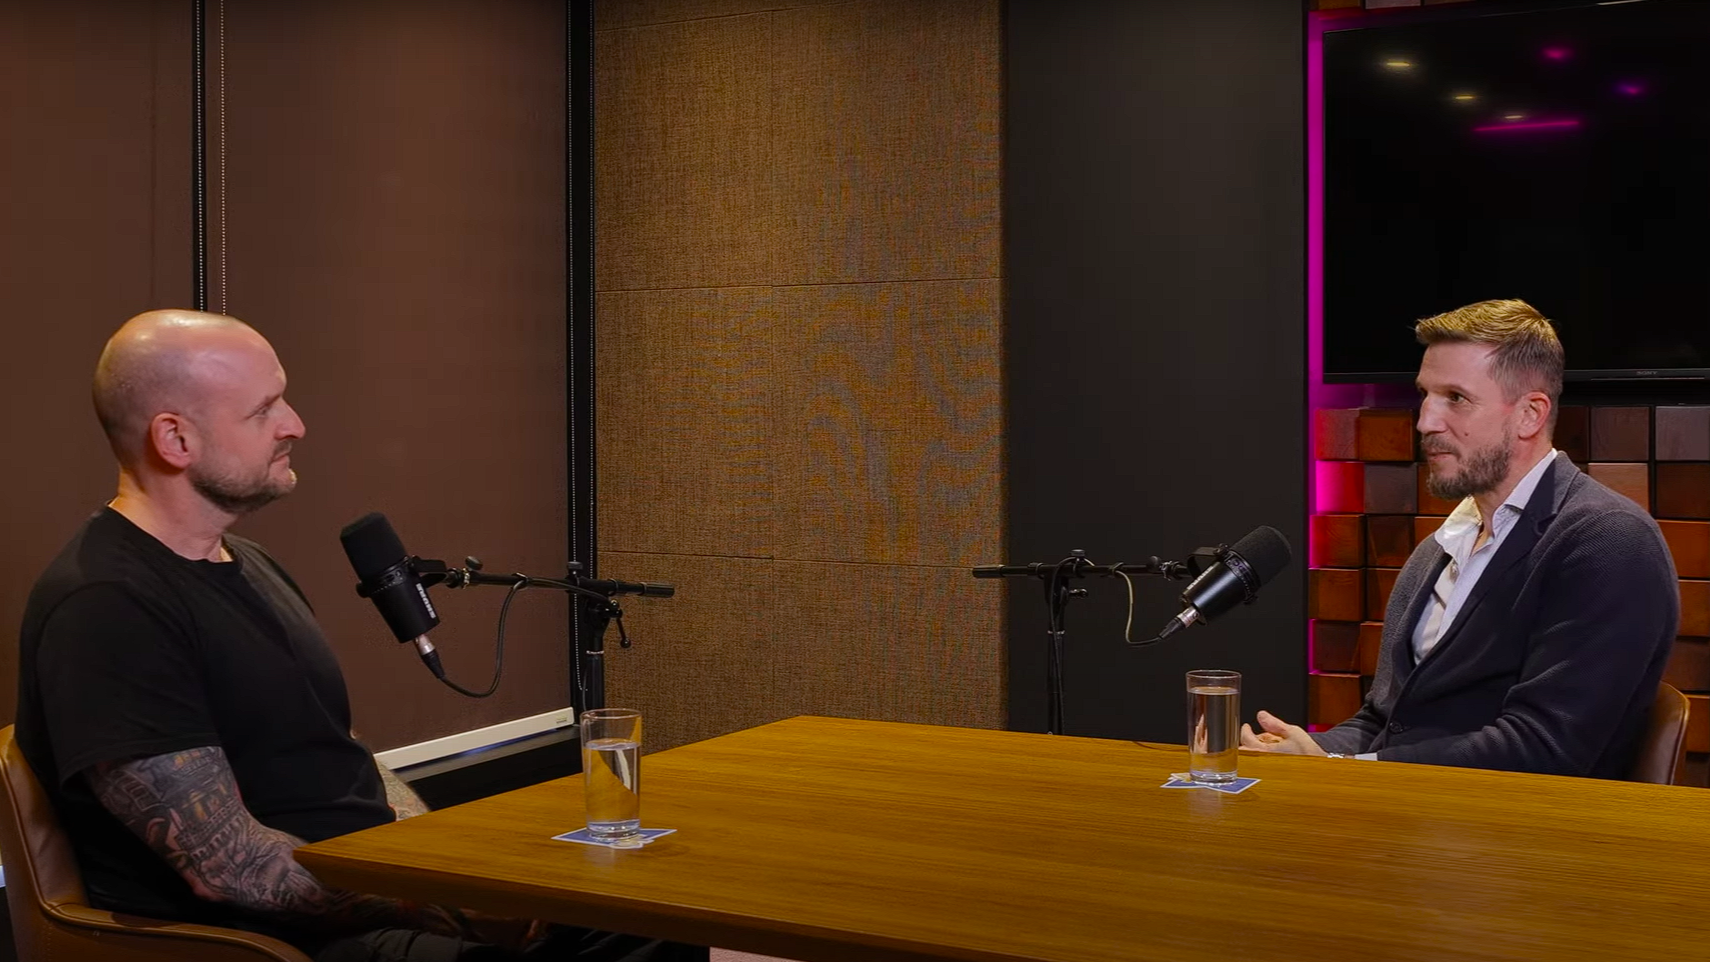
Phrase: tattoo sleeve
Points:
(187, 808)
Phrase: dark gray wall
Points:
(1155, 337)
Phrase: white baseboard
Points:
(437, 748)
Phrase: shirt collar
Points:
(1459, 530)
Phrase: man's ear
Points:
(1534, 408)
(173, 439)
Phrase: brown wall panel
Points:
(1385, 434)
(1683, 433)
(1335, 646)
(887, 118)
(611, 14)
(387, 205)
(1428, 502)
(684, 137)
(1337, 541)
(94, 227)
(1573, 433)
(889, 423)
(1689, 543)
(1337, 432)
(1379, 583)
(1695, 608)
(692, 377)
(1371, 642)
(1698, 723)
(1683, 491)
(1391, 489)
(1389, 539)
(822, 179)
(1424, 527)
(1332, 699)
(1336, 594)
(1689, 665)
(1630, 480)
(1621, 434)
(1341, 487)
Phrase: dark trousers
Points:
(568, 944)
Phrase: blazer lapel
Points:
(1546, 501)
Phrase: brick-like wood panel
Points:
(1379, 583)
(1341, 487)
(1689, 542)
(1689, 665)
(1338, 541)
(1683, 491)
(1573, 433)
(1389, 539)
(1683, 433)
(1371, 641)
(1335, 646)
(1390, 489)
(1695, 608)
(1384, 434)
(1620, 434)
(1428, 502)
(1332, 699)
(1698, 724)
(1336, 594)
(1631, 480)
(1337, 434)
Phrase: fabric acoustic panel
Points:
(94, 227)
(1362, 535)
(798, 358)
(387, 205)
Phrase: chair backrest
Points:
(51, 918)
(1664, 742)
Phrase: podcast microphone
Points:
(389, 579)
(1234, 578)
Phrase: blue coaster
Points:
(581, 835)
(1234, 787)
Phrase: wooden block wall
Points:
(1373, 509)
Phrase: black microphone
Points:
(1234, 579)
(389, 579)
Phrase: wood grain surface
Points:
(826, 840)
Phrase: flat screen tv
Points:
(1558, 155)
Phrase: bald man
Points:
(177, 698)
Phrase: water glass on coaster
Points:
(611, 774)
(1214, 729)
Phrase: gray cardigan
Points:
(1552, 663)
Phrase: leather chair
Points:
(51, 917)
(1664, 742)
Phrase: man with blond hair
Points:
(178, 701)
(1529, 634)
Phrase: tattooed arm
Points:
(187, 808)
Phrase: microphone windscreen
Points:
(371, 545)
(1265, 550)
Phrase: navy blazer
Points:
(1552, 663)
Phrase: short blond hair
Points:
(1528, 355)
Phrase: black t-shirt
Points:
(129, 650)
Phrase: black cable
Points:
(432, 657)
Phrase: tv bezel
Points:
(1342, 21)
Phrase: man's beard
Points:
(1483, 471)
(241, 496)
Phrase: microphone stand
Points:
(598, 605)
(1055, 579)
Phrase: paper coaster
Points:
(581, 835)
(1234, 787)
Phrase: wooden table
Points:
(828, 839)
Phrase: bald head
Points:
(165, 361)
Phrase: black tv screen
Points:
(1560, 156)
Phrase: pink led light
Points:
(1557, 54)
(1631, 88)
(1530, 125)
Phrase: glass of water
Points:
(1213, 719)
(611, 773)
